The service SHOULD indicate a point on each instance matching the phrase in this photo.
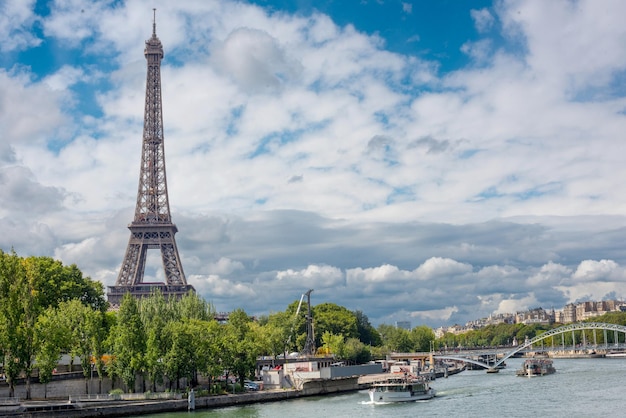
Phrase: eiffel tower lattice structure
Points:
(152, 227)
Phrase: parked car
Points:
(251, 386)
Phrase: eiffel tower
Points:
(152, 227)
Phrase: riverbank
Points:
(105, 407)
(119, 408)
(122, 408)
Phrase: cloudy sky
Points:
(425, 161)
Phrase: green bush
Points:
(116, 394)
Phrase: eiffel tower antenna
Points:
(152, 227)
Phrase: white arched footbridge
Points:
(579, 326)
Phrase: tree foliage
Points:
(127, 343)
(329, 317)
(47, 309)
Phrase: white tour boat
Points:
(401, 389)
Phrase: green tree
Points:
(241, 345)
(367, 333)
(208, 347)
(179, 359)
(25, 311)
(421, 337)
(273, 339)
(335, 319)
(11, 274)
(83, 323)
(51, 337)
(282, 328)
(100, 326)
(192, 306)
(396, 339)
(128, 343)
(356, 352)
(333, 344)
(155, 313)
(295, 325)
(54, 283)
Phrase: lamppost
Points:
(91, 379)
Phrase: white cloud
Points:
(479, 51)
(592, 270)
(573, 44)
(313, 276)
(225, 266)
(255, 60)
(302, 154)
(437, 315)
(218, 287)
(441, 267)
(22, 116)
(483, 19)
(549, 274)
(382, 274)
(518, 305)
(16, 21)
(64, 78)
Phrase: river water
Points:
(579, 388)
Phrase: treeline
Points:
(505, 334)
(48, 309)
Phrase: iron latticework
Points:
(152, 227)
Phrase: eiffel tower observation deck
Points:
(152, 227)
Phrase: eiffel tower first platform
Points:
(152, 227)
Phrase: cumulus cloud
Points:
(549, 274)
(602, 270)
(313, 276)
(217, 287)
(519, 304)
(29, 111)
(255, 60)
(437, 315)
(224, 266)
(483, 19)
(382, 274)
(16, 21)
(416, 194)
(64, 78)
(440, 267)
(21, 195)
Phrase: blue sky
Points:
(434, 162)
(428, 29)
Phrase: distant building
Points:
(569, 313)
(572, 312)
(535, 316)
(493, 319)
(404, 325)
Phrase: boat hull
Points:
(404, 396)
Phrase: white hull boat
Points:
(401, 389)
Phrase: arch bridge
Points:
(579, 326)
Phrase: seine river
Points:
(579, 388)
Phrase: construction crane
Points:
(293, 323)
(309, 345)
